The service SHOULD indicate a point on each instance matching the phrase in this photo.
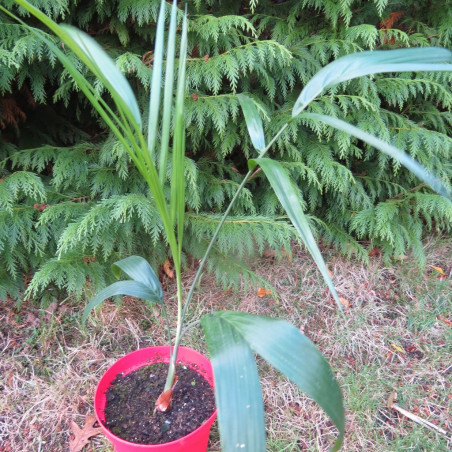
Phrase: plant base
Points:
(197, 440)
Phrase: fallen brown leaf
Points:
(344, 302)
(82, 435)
(438, 269)
(263, 292)
(167, 269)
(444, 320)
(375, 252)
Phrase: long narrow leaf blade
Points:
(289, 199)
(168, 93)
(178, 174)
(138, 269)
(294, 355)
(131, 288)
(253, 121)
(238, 393)
(157, 69)
(387, 148)
(373, 62)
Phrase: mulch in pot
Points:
(129, 411)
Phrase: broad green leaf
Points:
(238, 393)
(289, 199)
(387, 148)
(253, 121)
(373, 62)
(295, 356)
(131, 288)
(138, 269)
(104, 68)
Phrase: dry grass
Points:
(390, 338)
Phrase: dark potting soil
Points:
(129, 411)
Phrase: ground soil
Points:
(130, 407)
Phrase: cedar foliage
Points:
(71, 202)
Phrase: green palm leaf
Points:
(138, 269)
(372, 62)
(238, 394)
(387, 148)
(103, 67)
(157, 68)
(168, 93)
(131, 288)
(230, 338)
(253, 121)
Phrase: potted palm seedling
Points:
(158, 152)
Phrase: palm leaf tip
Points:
(253, 121)
(100, 63)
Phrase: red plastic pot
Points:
(197, 440)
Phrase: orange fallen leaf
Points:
(167, 269)
(262, 292)
(444, 320)
(82, 435)
(344, 302)
(438, 269)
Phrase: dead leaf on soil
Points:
(167, 269)
(344, 302)
(438, 269)
(263, 292)
(374, 252)
(399, 349)
(82, 435)
(444, 320)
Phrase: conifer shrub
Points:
(71, 202)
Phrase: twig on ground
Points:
(394, 406)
